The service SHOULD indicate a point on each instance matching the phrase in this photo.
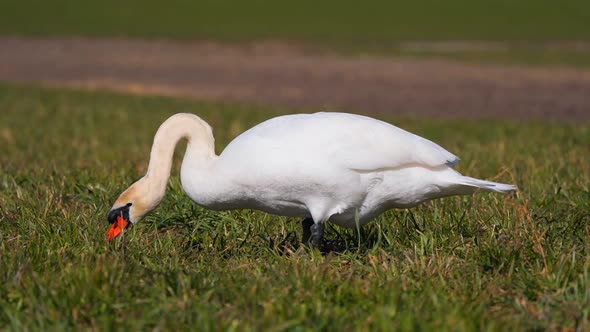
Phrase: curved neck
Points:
(200, 147)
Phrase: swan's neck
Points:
(200, 150)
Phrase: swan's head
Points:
(131, 206)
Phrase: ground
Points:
(289, 74)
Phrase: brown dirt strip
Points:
(285, 74)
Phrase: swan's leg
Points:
(314, 233)
(317, 235)
(306, 225)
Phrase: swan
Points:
(337, 167)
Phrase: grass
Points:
(379, 26)
(486, 263)
(374, 20)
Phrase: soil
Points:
(286, 74)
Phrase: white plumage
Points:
(324, 166)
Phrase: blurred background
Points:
(456, 58)
(84, 85)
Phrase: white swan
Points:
(322, 166)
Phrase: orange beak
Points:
(116, 228)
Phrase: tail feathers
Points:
(487, 185)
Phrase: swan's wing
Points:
(372, 144)
(345, 141)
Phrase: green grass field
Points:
(485, 263)
(375, 26)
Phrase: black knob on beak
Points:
(122, 211)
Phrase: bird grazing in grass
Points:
(336, 167)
